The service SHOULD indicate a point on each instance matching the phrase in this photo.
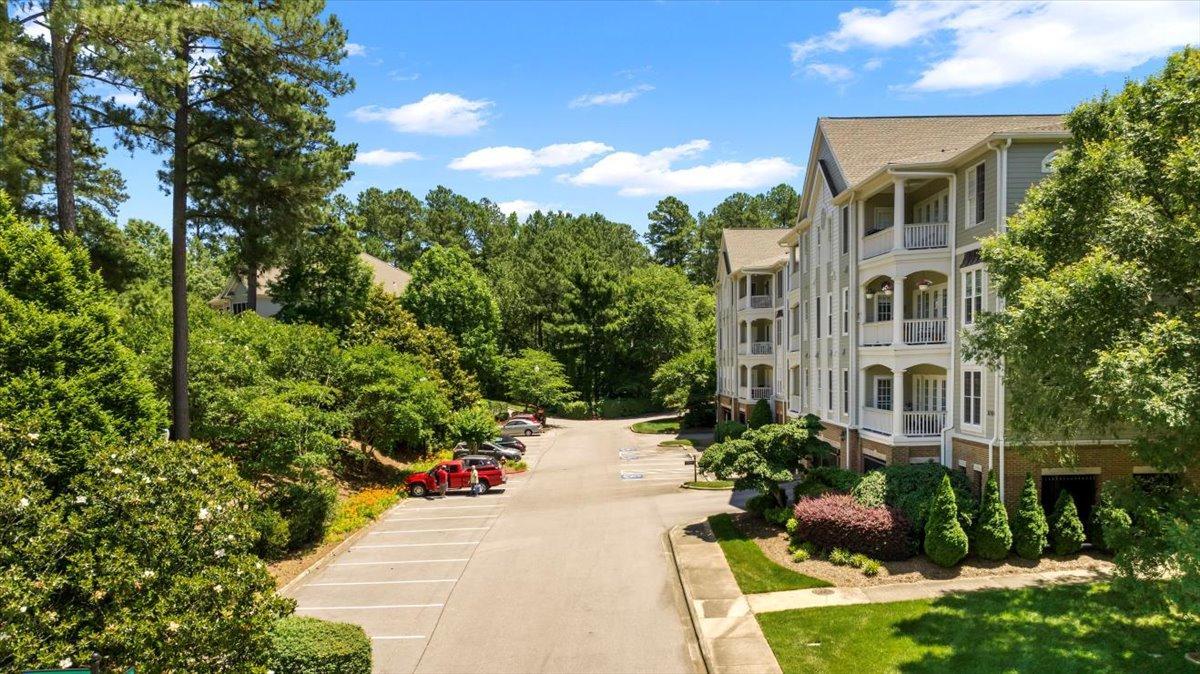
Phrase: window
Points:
(829, 314)
(845, 391)
(818, 317)
(239, 307)
(807, 322)
(883, 393)
(779, 283)
(778, 331)
(845, 311)
(883, 307)
(1048, 162)
(795, 319)
(829, 380)
(972, 414)
(743, 376)
(845, 229)
(976, 187)
(742, 334)
(742, 287)
(972, 295)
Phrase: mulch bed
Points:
(774, 543)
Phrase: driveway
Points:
(567, 570)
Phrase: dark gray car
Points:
(491, 450)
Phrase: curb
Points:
(339, 549)
(706, 655)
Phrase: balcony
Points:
(761, 348)
(925, 331)
(877, 243)
(924, 424)
(875, 419)
(877, 333)
(760, 301)
(923, 236)
(760, 392)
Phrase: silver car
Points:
(520, 427)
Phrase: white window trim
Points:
(845, 311)
(966, 425)
(891, 392)
(983, 281)
(972, 188)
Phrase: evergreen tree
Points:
(945, 541)
(1066, 529)
(760, 414)
(322, 281)
(583, 330)
(671, 232)
(1029, 524)
(993, 538)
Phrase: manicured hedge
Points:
(839, 521)
(824, 479)
(910, 487)
(304, 645)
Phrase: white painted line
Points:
(447, 517)
(361, 608)
(406, 636)
(424, 531)
(384, 582)
(404, 561)
(411, 545)
(451, 507)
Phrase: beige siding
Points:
(1025, 170)
(968, 231)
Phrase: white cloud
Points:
(436, 114)
(831, 72)
(385, 157)
(524, 207)
(355, 49)
(614, 98)
(998, 44)
(514, 162)
(127, 98)
(873, 64)
(401, 76)
(652, 174)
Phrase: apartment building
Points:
(881, 278)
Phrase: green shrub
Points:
(617, 408)
(306, 645)
(728, 430)
(307, 507)
(945, 541)
(760, 414)
(910, 487)
(472, 425)
(273, 536)
(824, 479)
(1066, 531)
(858, 560)
(871, 568)
(392, 400)
(758, 505)
(810, 548)
(1110, 523)
(1029, 524)
(800, 555)
(839, 557)
(993, 537)
(778, 515)
(576, 409)
(790, 525)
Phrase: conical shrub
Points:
(1066, 529)
(1029, 524)
(945, 541)
(760, 414)
(993, 537)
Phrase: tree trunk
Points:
(64, 161)
(180, 417)
(252, 285)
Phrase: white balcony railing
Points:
(794, 403)
(760, 301)
(760, 392)
(877, 333)
(761, 348)
(925, 235)
(877, 243)
(874, 419)
(923, 424)
(925, 331)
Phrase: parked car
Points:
(488, 449)
(479, 461)
(511, 443)
(520, 427)
(458, 474)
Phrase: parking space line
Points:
(497, 505)
(403, 561)
(403, 636)
(447, 517)
(412, 545)
(363, 608)
(423, 531)
(385, 582)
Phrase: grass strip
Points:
(754, 572)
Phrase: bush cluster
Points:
(825, 479)
(575, 409)
(305, 645)
(838, 520)
(728, 430)
(911, 487)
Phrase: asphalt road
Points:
(567, 570)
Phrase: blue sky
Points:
(607, 107)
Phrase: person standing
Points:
(474, 481)
(443, 481)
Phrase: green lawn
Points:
(656, 426)
(1065, 628)
(723, 485)
(753, 571)
(677, 442)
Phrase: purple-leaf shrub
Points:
(839, 521)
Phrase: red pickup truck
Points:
(420, 484)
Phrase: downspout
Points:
(1001, 226)
(952, 320)
(852, 331)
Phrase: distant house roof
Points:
(747, 248)
(392, 279)
(861, 145)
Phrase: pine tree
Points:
(671, 232)
(760, 414)
(993, 537)
(945, 541)
(1029, 524)
(1066, 529)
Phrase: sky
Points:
(608, 107)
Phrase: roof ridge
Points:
(1010, 114)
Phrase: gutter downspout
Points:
(1002, 227)
(952, 319)
(852, 329)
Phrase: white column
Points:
(898, 312)
(898, 215)
(861, 399)
(897, 403)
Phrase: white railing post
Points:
(761, 348)
(925, 235)
(925, 331)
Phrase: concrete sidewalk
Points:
(930, 589)
(730, 638)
